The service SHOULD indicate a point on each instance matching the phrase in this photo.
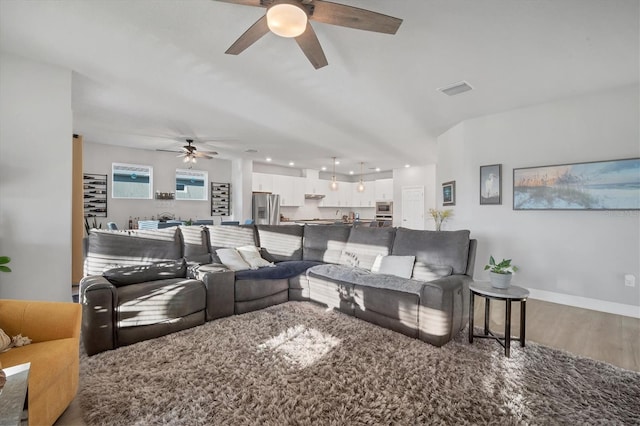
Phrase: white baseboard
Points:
(586, 303)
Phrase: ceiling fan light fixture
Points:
(286, 20)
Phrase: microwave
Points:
(384, 208)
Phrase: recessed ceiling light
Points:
(324, 168)
(377, 169)
(268, 159)
(291, 163)
(337, 162)
(350, 172)
(407, 166)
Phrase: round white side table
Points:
(511, 294)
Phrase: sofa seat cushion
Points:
(159, 301)
(363, 277)
(434, 248)
(281, 270)
(247, 290)
(48, 361)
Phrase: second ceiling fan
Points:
(290, 18)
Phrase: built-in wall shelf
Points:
(95, 195)
(220, 199)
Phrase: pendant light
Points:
(334, 184)
(360, 187)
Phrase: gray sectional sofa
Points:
(143, 284)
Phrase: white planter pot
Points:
(500, 280)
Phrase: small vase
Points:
(500, 280)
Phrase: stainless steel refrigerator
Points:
(266, 209)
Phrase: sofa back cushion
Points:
(282, 242)
(324, 243)
(230, 236)
(364, 244)
(196, 244)
(108, 249)
(135, 274)
(433, 249)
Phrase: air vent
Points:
(456, 88)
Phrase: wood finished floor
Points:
(606, 337)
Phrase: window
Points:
(191, 184)
(131, 181)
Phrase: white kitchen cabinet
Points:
(384, 190)
(316, 186)
(331, 197)
(366, 198)
(342, 198)
(298, 191)
(262, 182)
(290, 189)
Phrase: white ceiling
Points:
(147, 72)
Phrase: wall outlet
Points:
(630, 280)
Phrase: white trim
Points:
(586, 303)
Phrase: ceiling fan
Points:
(290, 18)
(190, 153)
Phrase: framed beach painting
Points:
(491, 184)
(449, 193)
(598, 185)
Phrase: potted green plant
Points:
(3, 261)
(500, 273)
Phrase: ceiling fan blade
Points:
(256, 3)
(310, 45)
(253, 34)
(203, 155)
(354, 17)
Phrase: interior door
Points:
(413, 207)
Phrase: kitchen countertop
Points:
(324, 221)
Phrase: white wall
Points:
(99, 157)
(413, 176)
(572, 257)
(35, 179)
(241, 195)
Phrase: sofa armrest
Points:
(99, 300)
(219, 284)
(40, 321)
(444, 308)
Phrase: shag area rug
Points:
(298, 363)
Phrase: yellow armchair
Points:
(54, 328)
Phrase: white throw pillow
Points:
(232, 259)
(400, 266)
(251, 255)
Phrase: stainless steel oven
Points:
(384, 209)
